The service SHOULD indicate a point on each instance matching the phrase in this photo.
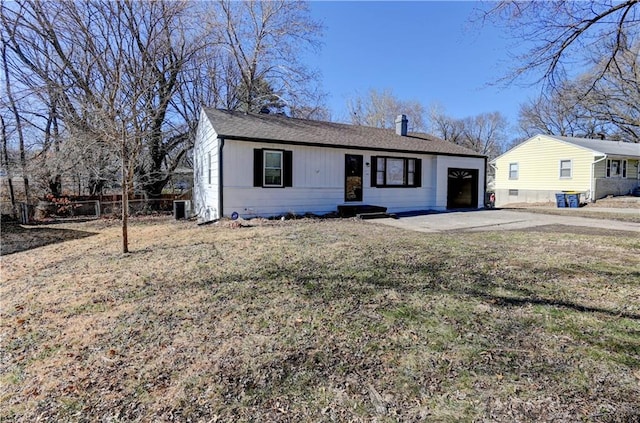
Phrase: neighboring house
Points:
(270, 165)
(544, 165)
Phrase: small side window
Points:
(565, 168)
(513, 170)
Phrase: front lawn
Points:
(320, 320)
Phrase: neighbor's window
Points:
(565, 168)
(513, 170)
(272, 168)
(616, 168)
(395, 172)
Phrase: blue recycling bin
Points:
(573, 200)
(561, 200)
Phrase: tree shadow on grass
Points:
(17, 238)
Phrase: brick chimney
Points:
(401, 125)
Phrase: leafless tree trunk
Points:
(6, 164)
(18, 122)
(125, 191)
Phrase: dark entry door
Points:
(352, 177)
(462, 188)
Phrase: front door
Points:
(352, 177)
(462, 188)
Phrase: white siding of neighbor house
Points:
(318, 182)
(205, 194)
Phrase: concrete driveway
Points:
(501, 220)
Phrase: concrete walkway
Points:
(500, 220)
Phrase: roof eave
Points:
(345, 146)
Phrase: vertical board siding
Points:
(205, 194)
(318, 182)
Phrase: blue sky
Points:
(426, 51)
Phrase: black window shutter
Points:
(417, 177)
(288, 169)
(258, 167)
(374, 171)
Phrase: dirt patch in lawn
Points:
(320, 320)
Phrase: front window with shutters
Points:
(396, 172)
(272, 168)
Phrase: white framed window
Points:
(272, 168)
(616, 168)
(566, 167)
(513, 170)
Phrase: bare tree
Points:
(146, 68)
(117, 87)
(614, 97)
(557, 112)
(444, 126)
(264, 41)
(594, 104)
(380, 109)
(563, 33)
(484, 133)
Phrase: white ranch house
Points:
(251, 165)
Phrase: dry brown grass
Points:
(311, 320)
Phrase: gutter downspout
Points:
(593, 177)
(220, 179)
(484, 194)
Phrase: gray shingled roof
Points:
(609, 148)
(273, 128)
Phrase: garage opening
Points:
(462, 188)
